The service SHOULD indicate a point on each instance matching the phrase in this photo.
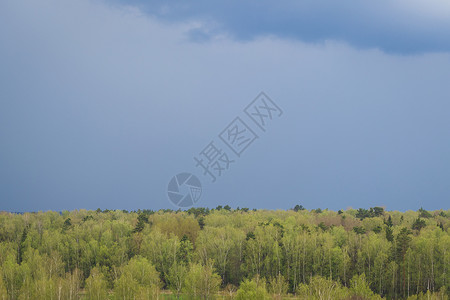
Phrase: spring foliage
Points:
(241, 253)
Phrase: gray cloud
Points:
(403, 27)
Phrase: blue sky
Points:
(102, 102)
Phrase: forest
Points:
(225, 253)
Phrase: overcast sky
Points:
(102, 102)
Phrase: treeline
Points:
(234, 253)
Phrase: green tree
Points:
(298, 208)
(278, 286)
(139, 279)
(201, 222)
(254, 289)
(389, 222)
(418, 224)
(217, 244)
(141, 221)
(320, 288)
(3, 291)
(126, 287)
(67, 224)
(184, 252)
(96, 288)
(161, 250)
(13, 277)
(360, 288)
(202, 281)
(389, 234)
(424, 214)
(176, 278)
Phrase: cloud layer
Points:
(403, 27)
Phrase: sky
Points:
(103, 102)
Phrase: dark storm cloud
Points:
(403, 27)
